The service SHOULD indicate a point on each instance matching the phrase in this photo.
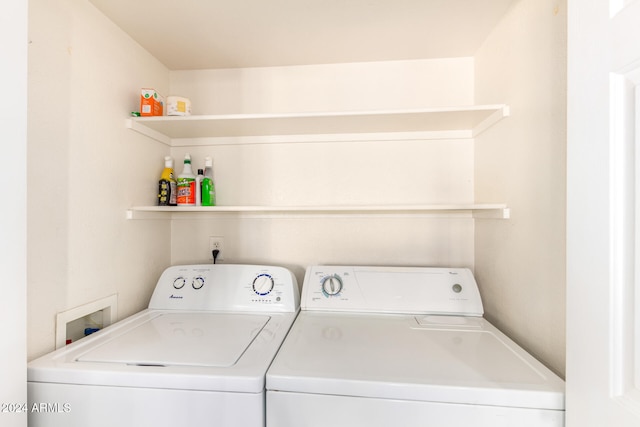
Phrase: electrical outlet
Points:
(216, 243)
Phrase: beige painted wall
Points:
(335, 173)
(520, 263)
(85, 168)
(328, 87)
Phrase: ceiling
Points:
(205, 34)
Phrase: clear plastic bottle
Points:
(167, 188)
(199, 179)
(187, 184)
(208, 186)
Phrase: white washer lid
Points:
(182, 339)
(425, 358)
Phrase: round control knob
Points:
(198, 282)
(263, 284)
(331, 285)
(179, 282)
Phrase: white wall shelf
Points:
(446, 122)
(466, 121)
(498, 211)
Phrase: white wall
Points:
(86, 169)
(520, 263)
(343, 173)
(13, 224)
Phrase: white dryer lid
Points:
(446, 359)
(181, 339)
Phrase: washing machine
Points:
(393, 346)
(197, 356)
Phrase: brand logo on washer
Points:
(172, 296)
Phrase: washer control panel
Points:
(392, 289)
(196, 282)
(221, 287)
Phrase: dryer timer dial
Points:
(331, 285)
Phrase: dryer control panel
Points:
(226, 287)
(392, 290)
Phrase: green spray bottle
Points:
(208, 186)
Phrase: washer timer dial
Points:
(331, 285)
(263, 284)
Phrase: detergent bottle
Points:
(186, 184)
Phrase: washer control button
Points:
(179, 282)
(198, 282)
(331, 285)
(457, 288)
(263, 284)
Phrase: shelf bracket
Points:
(144, 130)
(498, 115)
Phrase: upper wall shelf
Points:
(447, 122)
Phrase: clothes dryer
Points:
(197, 356)
(390, 346)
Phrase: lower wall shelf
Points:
(498, 211)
